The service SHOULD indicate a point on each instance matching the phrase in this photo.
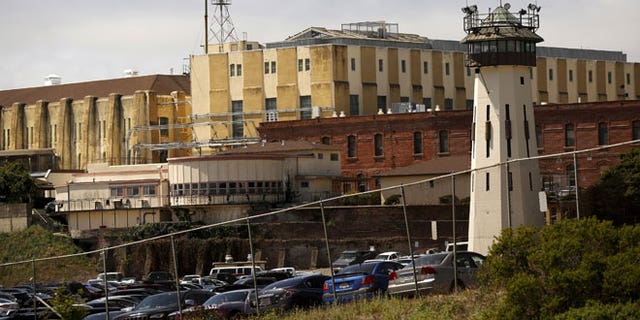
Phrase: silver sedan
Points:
(434, 273)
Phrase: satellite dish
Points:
(507, 6)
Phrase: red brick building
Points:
(372, 145)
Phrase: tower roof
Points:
(501, 24)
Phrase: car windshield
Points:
(431, 259)
(358, 268)
(227, 297)
(163, 300)
(382, 257)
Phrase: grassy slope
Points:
(470, 304)
(36, 242)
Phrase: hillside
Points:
(36, 242)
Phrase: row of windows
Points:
(304, 62)
(133, 191)
(403, 67)
(590, 76)
(224, 188)
(378, 144)
(502, 46)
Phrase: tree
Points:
(16, 185)
(616, 196)
(565, 267)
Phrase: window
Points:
(603, 134)
(300, 65)
(551, 74)
(417, 142)
(382, 103)
(446, 68)
(425, 67)
(304, 184)
(117, 191)
(271, 108)
(237, 119)
(335, 157)
(320, 156)
(305, 107)
(469, 104)
(510, 180)
(404, 99)
(487, 185)
(403, 66)
(539, 136)
(448, 104)
(635, 135)
(133, 191)
(326, 140)
(426, 102)
(351, 146)
(353, 64)
(569, 135)
(164, 126)
(266, 67)
(380, 65)
(628, 78)
(570, 75)
(377, 144)
(609, 77)
(590, 76)
(307, 64)
(443, 139)
(232, 70)
(354, 105)
(148, 190)
(273, 67)
(571, 176)
(362, 183)
(238, 70)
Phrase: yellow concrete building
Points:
(117, 121)
(367, 68)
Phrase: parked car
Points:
(297, 292)
(434, 273)
(362, 281)
(261, 282)
(116, 303)
(8, 307)
(159, 306)
(189, 278)
(155, 276)
(386, 256)
(229, 305)
(350, 257)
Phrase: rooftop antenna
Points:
(222, 29)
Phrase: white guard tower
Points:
(502, 51)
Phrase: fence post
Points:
(175, 271)
(576, 177)
(326, 241)
(455, 241)
(406, 225)
(33, 283)
(253, 267)
(103, 253)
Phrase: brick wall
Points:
(398, 130)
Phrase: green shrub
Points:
(392, 200)
(563, 267)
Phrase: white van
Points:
(460, 246)
(234, 270)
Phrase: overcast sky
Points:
(83, 40)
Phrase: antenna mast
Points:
(222, 29)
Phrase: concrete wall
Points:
(14, 217)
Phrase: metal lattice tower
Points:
(222, 27)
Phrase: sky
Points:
(85, 40)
